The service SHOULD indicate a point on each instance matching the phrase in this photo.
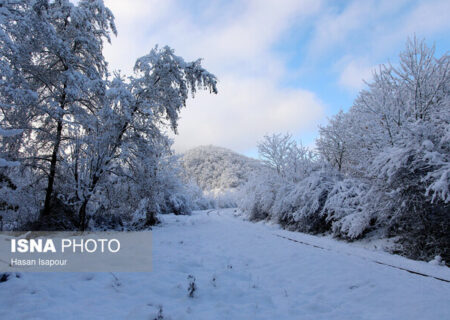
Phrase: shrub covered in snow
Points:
(305, 202)
(259, 194)
(293, 197)
(346, 208)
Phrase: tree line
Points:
(381, 169)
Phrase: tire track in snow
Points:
(375, 261)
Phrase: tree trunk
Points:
(82, 215)
(51, 176)
(150, 218)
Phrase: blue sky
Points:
(283, 66)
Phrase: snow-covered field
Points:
(242, 270)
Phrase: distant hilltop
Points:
(216, 169)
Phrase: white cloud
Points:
(362, 34)
(244, 111)
(425, 20)
(429, 17)
(333, 28)
(353, 73)
(235, 39)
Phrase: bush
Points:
(346, 209)
(420, 217)
(301, 209)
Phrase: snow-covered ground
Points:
(242, 270)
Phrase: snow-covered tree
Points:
(129, 129)
(287, 157)
(80, 128)
(332, 142)
(8, 133)
(291, 189)
(274, 151)
(55, 47)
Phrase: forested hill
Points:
(217, 169)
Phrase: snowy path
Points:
(243, 271)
